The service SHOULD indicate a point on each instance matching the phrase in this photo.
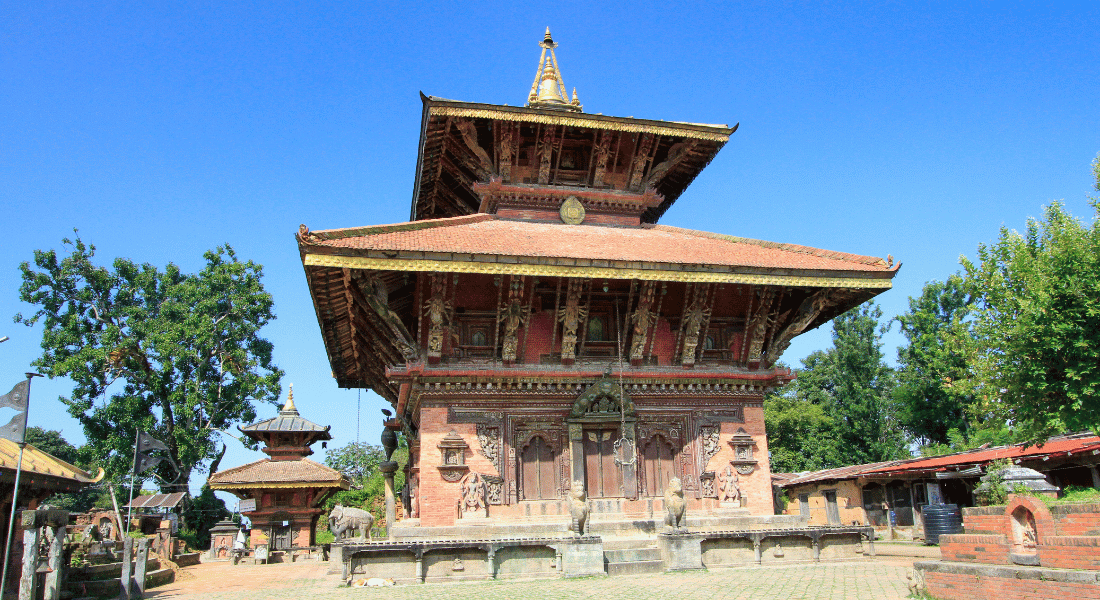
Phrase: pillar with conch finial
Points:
(548, 90)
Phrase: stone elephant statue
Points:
(345, 520)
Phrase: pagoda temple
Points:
(288, 488)
(533, 324)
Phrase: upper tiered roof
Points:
(551, 143)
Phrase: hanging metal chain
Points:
(622, 448)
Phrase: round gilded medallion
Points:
(572, 211)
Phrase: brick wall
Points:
(989, 549)
(966, 586)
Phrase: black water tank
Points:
(940, 519)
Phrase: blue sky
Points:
(911, 129)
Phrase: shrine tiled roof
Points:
(278, 473)
(1065, 447)
(489, 238)
(37, 462)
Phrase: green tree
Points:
(800, 432)
(185, 348)
(1034, 353)
(840, 410)
(51, 442)
(930, 402)
(202, 513)
(360, 461)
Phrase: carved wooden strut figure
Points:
(513, 317)
(439, 312)
(643, 319)
(696, 314)
(570, 316)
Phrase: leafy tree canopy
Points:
(1035, 345)
(841, 410)
(185, 346)
(930, 401)
(51, 442)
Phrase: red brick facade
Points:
(1054, 552)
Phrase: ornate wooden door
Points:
(602, 478)
(659, 464)
(538, 472)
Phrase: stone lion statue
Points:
(674, 504)
(345, 519)
(578, 508)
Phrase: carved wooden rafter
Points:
(439, 311)
(468, 132)
(642, 157)
(677, 154)
(546, 147)
(758, 326)
(508, 148)
(695, 317)
(809, 310)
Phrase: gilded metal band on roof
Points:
(574, 121)
(494, 268)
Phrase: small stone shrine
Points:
(288, 488)
(534, 326)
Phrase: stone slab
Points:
(681, 551)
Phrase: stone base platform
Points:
(417, 561)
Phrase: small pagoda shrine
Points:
(288, 489)
(536, 329)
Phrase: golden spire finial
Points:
(548, 90)
(289, 407)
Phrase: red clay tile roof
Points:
(487, 234)
(289, 473)
(1066, 445)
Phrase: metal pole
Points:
(133, 471)
(11, 521)
(15, 490)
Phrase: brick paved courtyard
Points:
(882, 578)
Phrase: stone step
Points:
(621, 543)
(632, 555)
(635, 567)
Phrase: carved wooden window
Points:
(537, 469)
(596, 329)
(658, 464)
(479, 338)
(602, 476)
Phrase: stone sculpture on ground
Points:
(674, 504)
(345, 519)
(578, 508)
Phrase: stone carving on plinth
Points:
(578, 508)
(473, 502)
(729, 488)
(675, 505)
(345, 520)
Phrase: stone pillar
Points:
(57, 553)
(140, 567)
(1095, 476)
(29, 577)
(490, 561)
(127, 567)
(388, 468)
